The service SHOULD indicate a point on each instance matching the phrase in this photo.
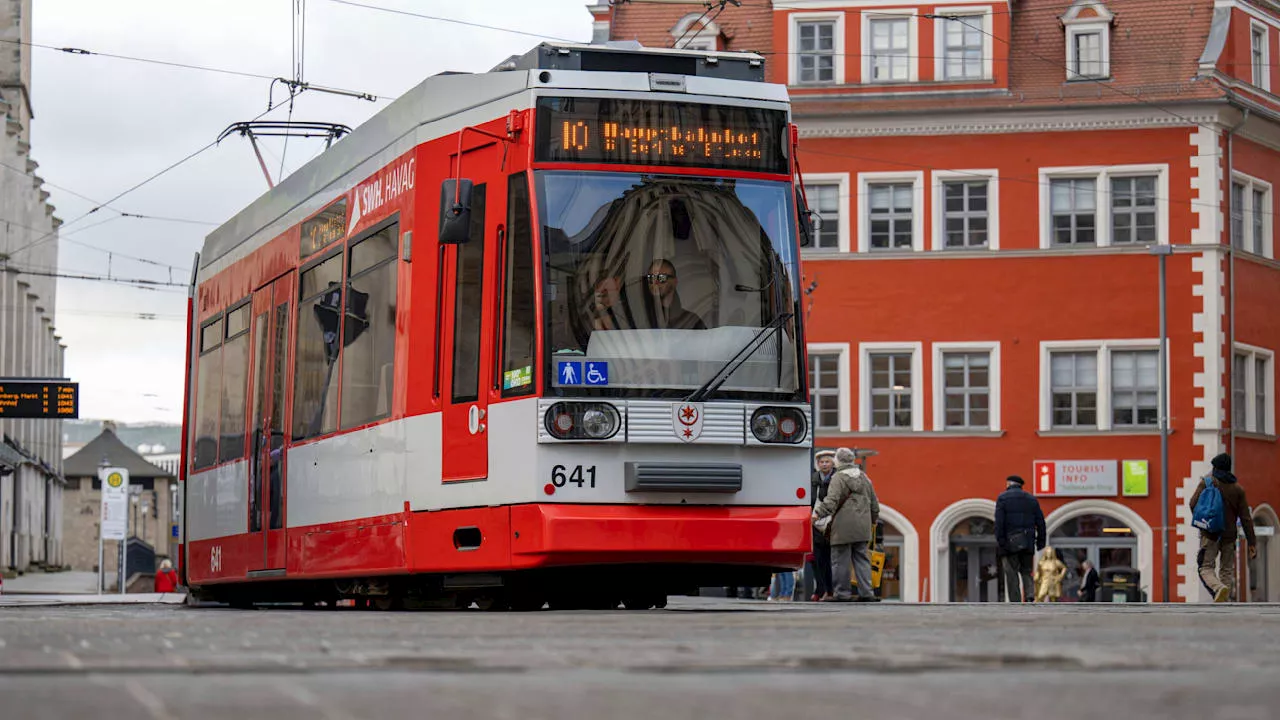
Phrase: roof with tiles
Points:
(1155, 50)
(748, 28)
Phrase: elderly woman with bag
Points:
(847, 518)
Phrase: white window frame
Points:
(1256, 354)
(913, 44)
(967, 12)
(1076, 25)
(793, 47)
(940, 177)
(939, 383)
(1104, 349)
(841, 349)
(1263, 82)
(705, 38)
(865, 180)
(865, 351)
(1251, 183)
(844, 216)
(1103, 176)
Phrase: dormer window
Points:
(692, 33)
(1088, 34)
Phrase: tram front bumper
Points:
(546, 535)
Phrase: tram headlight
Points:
(779, 425)
(582, 421)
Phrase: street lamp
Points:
(1162, 252)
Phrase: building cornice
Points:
(1003, 121)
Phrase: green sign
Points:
(1135, 476)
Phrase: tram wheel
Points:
(491, 603)
(388, 602)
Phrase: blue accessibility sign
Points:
(569, 373)
(597, 373)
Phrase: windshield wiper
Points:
(721, 376)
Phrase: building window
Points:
(824, 390)
(965, 214)
(1088, 52)
(1135, 392)
(1252, 390)
(891, 391)
(816, 51)
(369, 327)
(967, 390)
(315, 394)
(891, 216)
(1088, 40)
(1074, 211)
(890, 49)
(1259, 56)
(1133, 209)
(1118, 205)
(1251, 215)
(964, 43)
(825, 200)
(1110, 385)
(1074, 388)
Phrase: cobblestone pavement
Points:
(700, 658)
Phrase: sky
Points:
(102, 125)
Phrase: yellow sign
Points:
(115, 479)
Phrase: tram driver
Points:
(664, 307)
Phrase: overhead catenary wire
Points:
(455, 21)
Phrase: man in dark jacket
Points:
(1221, 548)
(1088, 582)
(825, 461)
(1020, 533)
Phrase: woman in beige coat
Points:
(852, 500)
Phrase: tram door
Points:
(271, 345)
(469, 273)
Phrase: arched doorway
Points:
(942, 580)
(975, 567)
(1106, 534)
(900, 579)
(1264, 570)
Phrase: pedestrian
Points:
(854, 510)
(1088, 583)
(1020, 533)
(783, 588)
(820, 567)
(1220, 547)
(166, 577)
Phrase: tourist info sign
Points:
(115, 502)
(1089, 478)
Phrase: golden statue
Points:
(1049, 574)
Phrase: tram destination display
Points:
(655, 132)
(36, 399)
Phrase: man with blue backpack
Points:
(1216, 505)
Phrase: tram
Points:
(526, 336)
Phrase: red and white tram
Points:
(526, 335)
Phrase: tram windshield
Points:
(654, 282)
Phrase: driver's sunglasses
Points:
(659, 278)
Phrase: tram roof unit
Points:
(447, 102)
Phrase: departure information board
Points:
(28, 399)
(656, 132)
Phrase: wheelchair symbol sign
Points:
(597, 373)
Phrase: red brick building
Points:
(992, 176)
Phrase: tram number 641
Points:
(562, 475)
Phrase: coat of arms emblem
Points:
(687, 420)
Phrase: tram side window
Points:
(369, 328)
(519, 318)
(315, 383)
(469, 279)
(208, 395)
(235, 380)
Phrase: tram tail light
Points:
(582, 421)
(779, 425)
